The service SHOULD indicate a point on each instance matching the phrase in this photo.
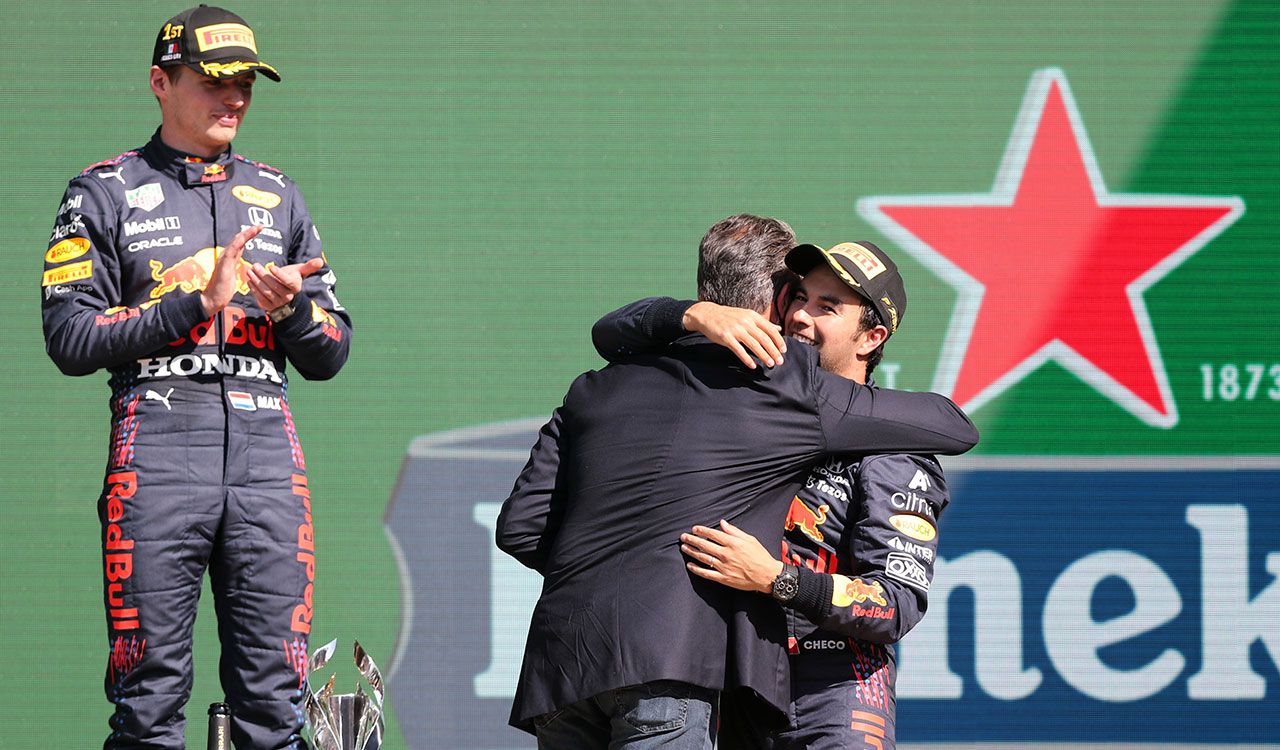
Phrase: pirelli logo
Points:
(68, 273)
(863, 258)
(222, 35)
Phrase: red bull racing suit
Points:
(204, 468)
(863, 532)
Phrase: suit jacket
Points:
(639, 452)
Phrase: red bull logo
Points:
(192, 274)
(877, 613)
(237, 328)
(328, 325)
(301, 620)
(800, 516)
(115, 315)
(117, 560)
(213, 173)
(859, 591)
(321, 315)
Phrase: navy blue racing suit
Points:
(204, 468)
(863, 531)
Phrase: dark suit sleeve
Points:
(530, 515)
(859, 419)
(892, 544)
(642, 327)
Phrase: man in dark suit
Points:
(626, 648)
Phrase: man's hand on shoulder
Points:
(744, 332)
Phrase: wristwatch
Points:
(281, 312)
(787, 584)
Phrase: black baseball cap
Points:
(211, 41)
(865, 268)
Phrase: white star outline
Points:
(970, 291)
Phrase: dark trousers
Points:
(664, 714)
(840, 700)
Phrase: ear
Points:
(869, 340)
(781, 301)
(159, 81)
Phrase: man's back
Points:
(662, 441)
(647, 448)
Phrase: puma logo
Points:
(278, 179)
(153, 396)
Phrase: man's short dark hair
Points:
(740, 258)
(870, 319)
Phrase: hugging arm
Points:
(642, 327)
(650, 324)
(859, 419)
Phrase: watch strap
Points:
(281, 312)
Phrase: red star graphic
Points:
(1051, 266)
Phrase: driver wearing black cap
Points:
(193, 275)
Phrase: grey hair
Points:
(741, 258)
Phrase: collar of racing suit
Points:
(190, 170)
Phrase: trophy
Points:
(350, 721)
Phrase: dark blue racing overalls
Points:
(863, 531)
(204, 467)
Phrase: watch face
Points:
(786, 586)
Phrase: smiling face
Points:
(826, 313)
(199, 114)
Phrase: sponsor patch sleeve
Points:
(642, 327)
(317, 337)
(858, 419)
(531, 514)
(85, 328)
(891, 541)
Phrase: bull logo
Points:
(859, 591)
(800, 516)
(213, 173)
(192, 273)
(321, 315)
